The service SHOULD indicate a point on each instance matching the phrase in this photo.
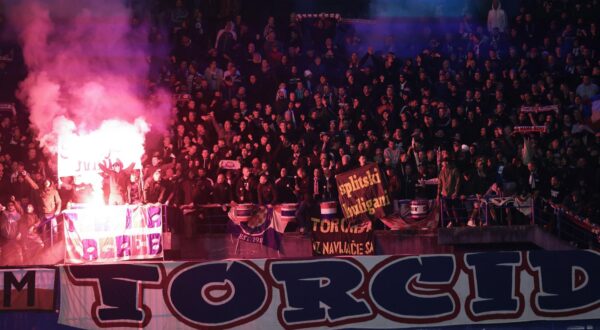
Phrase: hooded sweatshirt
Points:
(496, 18)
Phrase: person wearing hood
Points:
(496, 17)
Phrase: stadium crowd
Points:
(297, 101)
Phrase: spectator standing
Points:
(285, 187)
(245, 188)
(118, 182)
(50, 201)
(31, 241)
(587, 89)
(154, 190)
(10, 231)
(222, 192)
(267, 194)
(448, 189)
(304, 193)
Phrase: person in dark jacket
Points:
(154, 189)
(267, 194)
(318, 185)
(203, 188)
(245, 188)
(222, 192)
(448, 189)
(285, 187)
(304, 193)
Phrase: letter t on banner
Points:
(118, 291)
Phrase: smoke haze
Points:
(86, 65)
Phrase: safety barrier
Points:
(485, 211)
(569, 226)
(482, 211)
(518, 210)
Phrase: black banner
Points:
(362, 194)
(342, 237)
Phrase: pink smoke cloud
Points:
(86, 65)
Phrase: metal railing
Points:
(513, 210)
(577, 230)
(485, 211)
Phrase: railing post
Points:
(558, 216)
(442, 212)
(532, 210)
(51, 234)
(487, 213)
(166, 223)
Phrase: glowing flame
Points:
(80, 152)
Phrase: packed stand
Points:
(300, 100)
(297, 101)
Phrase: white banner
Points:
(113, 233)
(357, 292)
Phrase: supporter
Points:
(304, 194)
(118, 181)
(203, 188)
(135, 194)
(188, 192)
(587, 88)
(267, 194)
(393, 183)
(284, 185)
(31, 241)
(154, 191)
(448, 190)
(329, 185)
(318, 185)
(496, 18)
(222, 191)
(226, 38)
(467, 189)
(245, 188)
(10, 230)
(50, 202)
(392, 152)
(169, 183)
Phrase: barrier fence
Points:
(568, 226)
(470, 211)
(484, 211)
(577, 230)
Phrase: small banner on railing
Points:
(362, 194)
(27, 289)
(414, 215)
(522, 204)
(258, 224)
(113, 233)
(334, 235)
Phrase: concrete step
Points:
(526, 234)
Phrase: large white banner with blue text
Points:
(353, 292)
